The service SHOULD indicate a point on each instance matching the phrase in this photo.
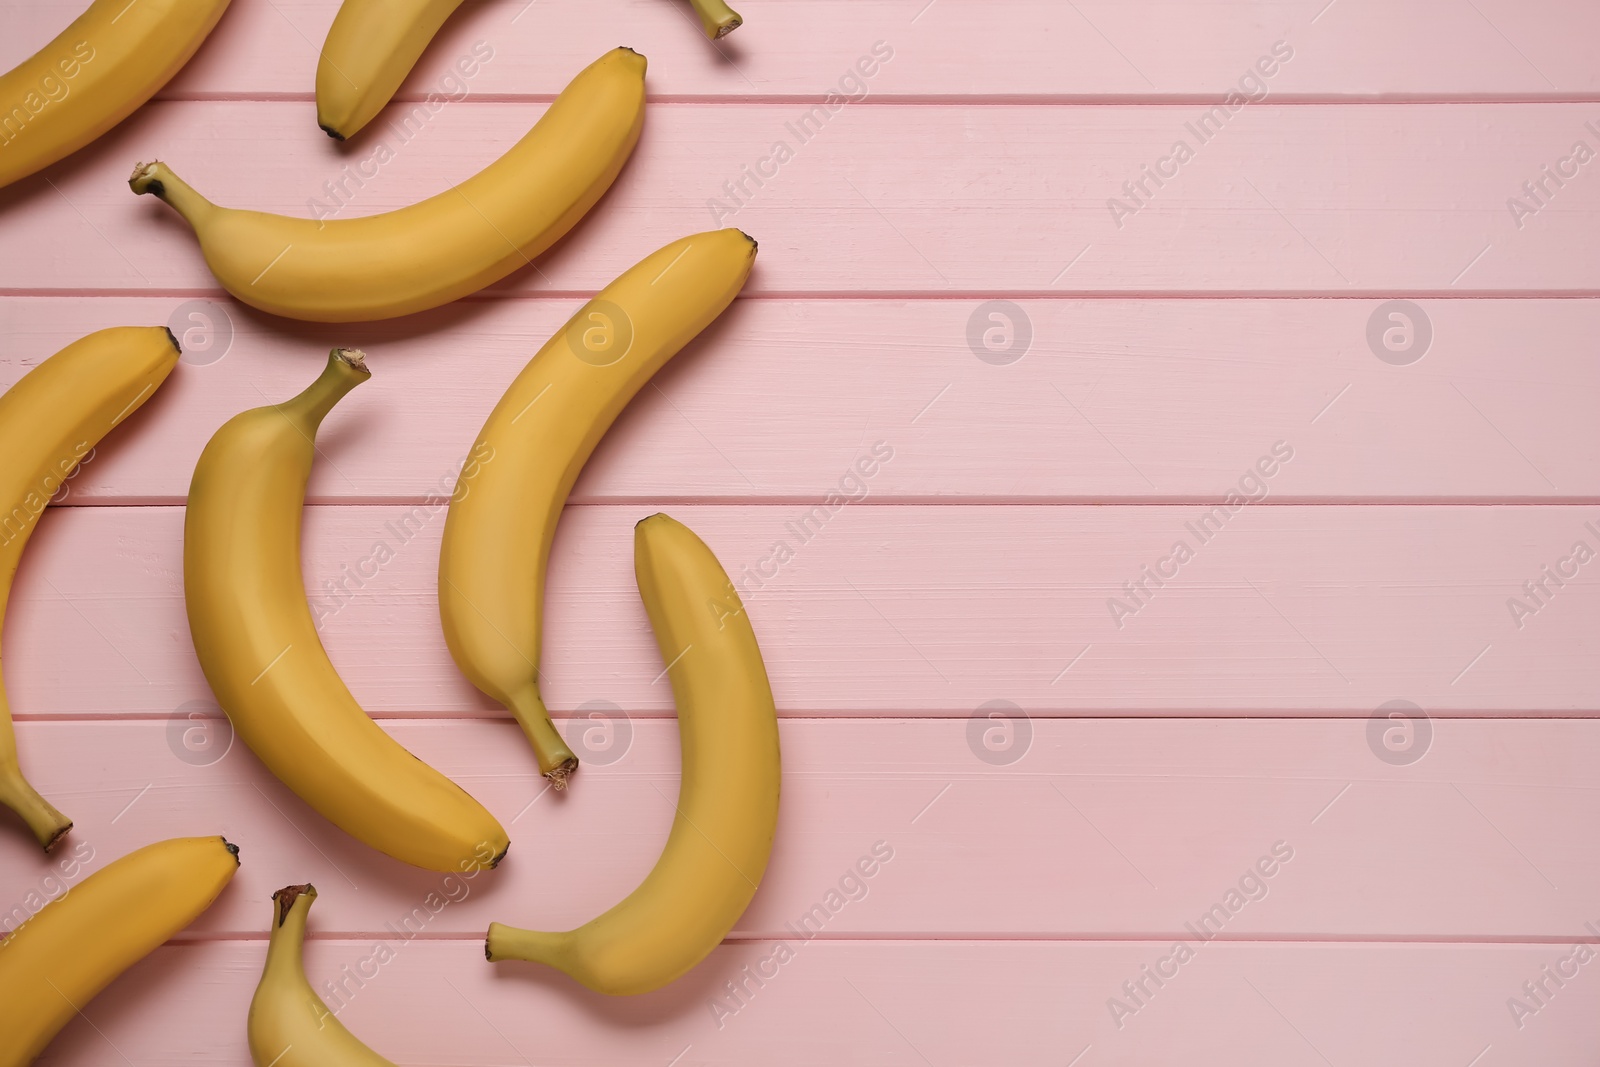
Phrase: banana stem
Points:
(346, 369)
(157, 178)
(285, 943)
(286, 966)
(48, 824)
(717, 18)
(556, 761)
(536, 946)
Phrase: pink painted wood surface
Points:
(897, 610)
(1032, 48)
(900, 1004)
(1169, 353)
(1336, 199)
(1062, 834)
(1128, 400)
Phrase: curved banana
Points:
(49, 421)
(727, 805)
(289, 1025)
(56, 962)
(259, 647)
(371, 47)
(503, 515)
(96, 73)
(419, 257)
(717, 18)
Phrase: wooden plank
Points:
(1095, 828)
(1160, 753)
(908, 1004)
(1098, 400)
(926, 610)
(1378, 200)
(1031, 48)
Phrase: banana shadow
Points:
(454, 317)
(466, 21)
(121, 142)
(691, 993)
(121, 138)
(451, 324)
(531, 278)
(728, 50)
(366, 143)
(717, 336)
(455, 327)
(145, 991)
(715, 342)
(361, 879)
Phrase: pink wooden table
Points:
(1075, 768)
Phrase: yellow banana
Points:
(96, 73)
(727, 806)
(49, 421)
(258, 645)
(56, 962)
(445, 247)
(289, 1024)
(370, 49)
(716, 17)
(503, 515)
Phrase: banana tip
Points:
(285, 898)
(173, 338)
(351, 356)
(55, 838)
(497, 860)
(644, 61)
(559, 774)
(144, 180)
(330, 131)
(233, 850)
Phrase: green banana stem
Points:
(556, 761)
(717, 18)
(537, 946)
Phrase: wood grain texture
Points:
(1096, 400)
(1034, 48)
(1338, 199)
(919, 610)
(1062, 834)
(1142, 761)
(895, 1004)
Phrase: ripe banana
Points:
(289, 1024)
(73, 948)
(370, 49)
(717, 18)
(96, 73)
(49, 421)
(419, 257)
(721, 837)
(497, 536)
(260, 650)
